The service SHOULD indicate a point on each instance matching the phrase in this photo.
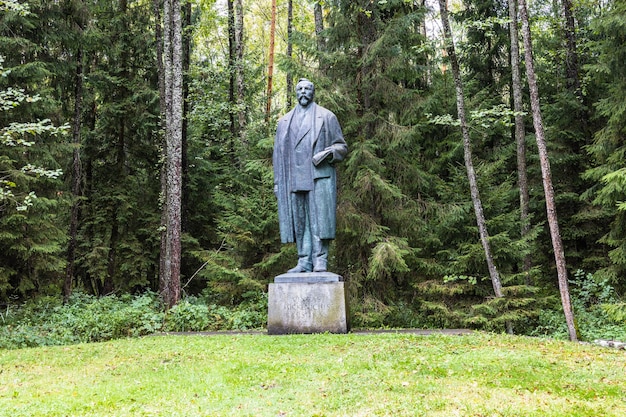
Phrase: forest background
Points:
(83, 157)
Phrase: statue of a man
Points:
(308, 143)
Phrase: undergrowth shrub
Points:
(192, 314)
(616, 312)
(599, 313)
(85, 318)
(47, 321)
(370, 313)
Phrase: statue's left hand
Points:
(320, 156)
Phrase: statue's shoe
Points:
(298, 269)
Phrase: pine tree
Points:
(169, 279)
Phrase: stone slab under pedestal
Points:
(313, 302)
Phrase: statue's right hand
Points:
(275, 190)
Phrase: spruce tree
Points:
(384, 244)
(118, 237)
(32, 231)
(608, 191)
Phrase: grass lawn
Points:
(315, 375)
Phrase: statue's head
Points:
(305, 92)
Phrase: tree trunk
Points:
(120, 167)
(319, 28)
(108, 286)
(231, 66)
(270, 67)
(571, 62)
(187, 33)
(367, 34)
(239, 76)
(469, 165)
(158, 34)
(89, 281)
(557, 244)
(76, 178)
(520, 131)
(169, 280)
(158, 31)
(427, 80)
(289, 52)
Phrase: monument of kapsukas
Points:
(308, 143)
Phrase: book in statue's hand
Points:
(320, 156)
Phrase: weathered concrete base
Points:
(307, 303)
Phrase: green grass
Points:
(315, 375)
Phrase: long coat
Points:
(327, 135)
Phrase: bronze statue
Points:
(308, 143)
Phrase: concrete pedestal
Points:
(313, 302)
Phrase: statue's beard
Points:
(304, 101)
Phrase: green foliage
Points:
(591, 298)
(387, 259)
(46, 321)
(386, 193)
(233, 246)
(616, 312)
(457, 302)
(484, 51)
(118, 238)
(31, 232)
(467, 301)
(13, 6)
(598, 310)
(193, 314)
(404, 216)
(32, 245)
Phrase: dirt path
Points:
(424, 332)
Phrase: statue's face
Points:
(305, 93)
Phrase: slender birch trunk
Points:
(557, 244)
(469, 165)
